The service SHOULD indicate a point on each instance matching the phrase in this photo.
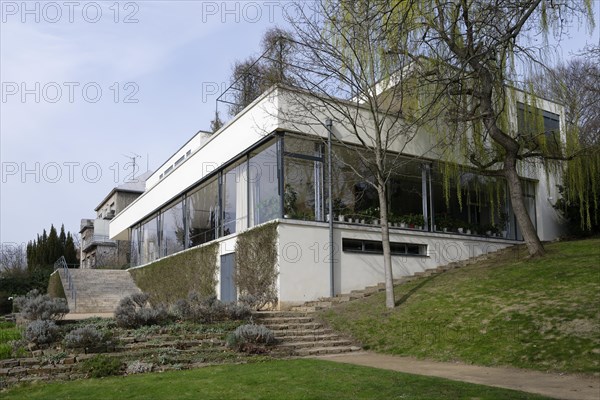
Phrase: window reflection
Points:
(173, 233)
(149, 241)
(203, 212)
(235, 199)
(265, 201)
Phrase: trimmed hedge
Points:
(173, 278)
(55, 287)
(256, 265)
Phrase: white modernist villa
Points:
(260, 167)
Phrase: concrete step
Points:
(284, 320)
(259, 315)
(296, 334)
(300, 334)
(314, 343)
(98, 291)
(295, 326)
(308, 309)
(313, 351)
(309, 337)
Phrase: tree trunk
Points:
(511, 146)
(390, 301)
(534, 245)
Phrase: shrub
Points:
(35, 306)
(208, 309)
(41, 332)
(249, 300)
(100, 366)
(239, 312)
(250, 338)
(198, 308)
(88, 338)
(139, 367)
(135, 311)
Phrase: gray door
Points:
(228, 289)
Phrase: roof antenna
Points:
(132, 157)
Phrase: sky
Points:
(86, 85)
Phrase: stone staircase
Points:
(98, 291)
(328, 302)
(300, 334)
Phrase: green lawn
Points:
(296, 379)
(540, 314)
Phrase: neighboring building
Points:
(97, 249)
(261, 167)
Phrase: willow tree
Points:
(341, 74)
(477, 50)
(576, 85)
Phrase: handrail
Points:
(62, 263)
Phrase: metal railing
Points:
(62, 263)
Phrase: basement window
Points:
(376, 247)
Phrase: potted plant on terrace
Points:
(340, 209)
(416, 221)
(503, 224)
(443, 223)
(372, 213)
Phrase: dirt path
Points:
(552, 385)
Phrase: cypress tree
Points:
(53, 247)
(62, 237)
(70, 252)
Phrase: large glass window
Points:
(352, 193)
(265, 200)
(541, 128)
(203, 213)
(235, 199)
(303, 167)
(481, 206)
(405, 188)
(135, 246)
(173, 231)
(149, 241)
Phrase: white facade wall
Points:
(304, 267)
(192, 146)
(245, 130)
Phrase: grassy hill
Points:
(541, 314)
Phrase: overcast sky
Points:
(86, 84)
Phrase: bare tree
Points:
(254, 75)
(576, 85)
(13, 258)
(376, 107)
